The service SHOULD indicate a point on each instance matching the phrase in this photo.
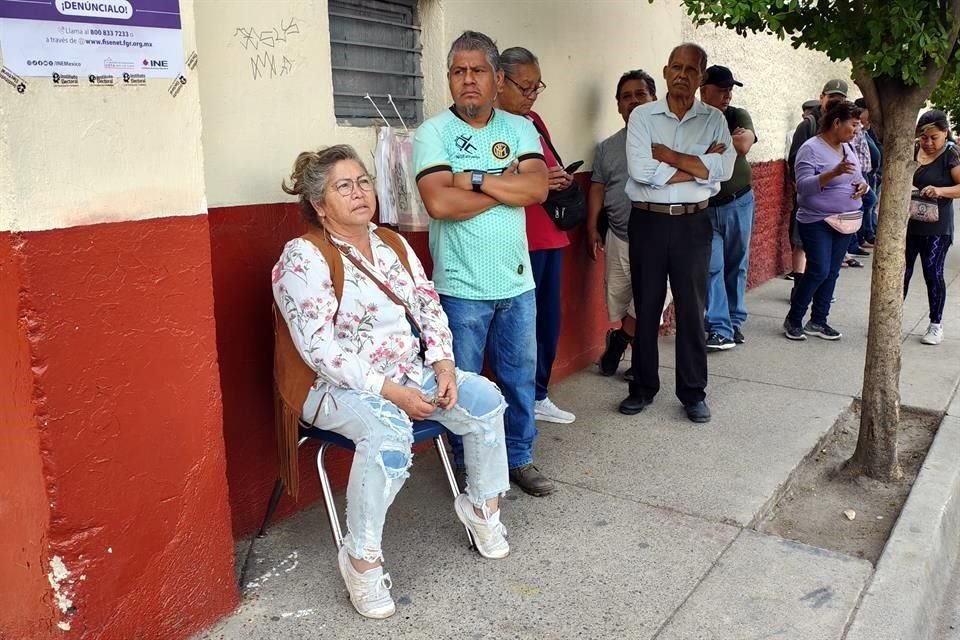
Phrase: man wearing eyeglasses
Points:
(477, 168)
(679, 150)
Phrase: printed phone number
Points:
(109, 32)
(51, 63)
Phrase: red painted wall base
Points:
(118, 430)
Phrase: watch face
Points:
(477, 178)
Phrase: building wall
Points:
(116, 497)
(135, 325)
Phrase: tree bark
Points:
(876, 453)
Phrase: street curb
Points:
(904, 597)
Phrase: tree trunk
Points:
(876, 453)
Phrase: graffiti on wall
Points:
(267, 48)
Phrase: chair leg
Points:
(328, 497)
(451, 478)
(271, 507)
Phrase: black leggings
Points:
(933, 254)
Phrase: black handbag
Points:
(567, 208)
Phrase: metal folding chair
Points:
(422, 430)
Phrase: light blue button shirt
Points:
(701, 126)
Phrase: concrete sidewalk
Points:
(650, 533)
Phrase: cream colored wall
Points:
(254, 128)
(777, 80)
(83, 155)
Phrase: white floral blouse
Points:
(372, 339)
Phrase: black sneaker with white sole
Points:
(824, 331)
(793, 330)
(738, 336)
(717, 342)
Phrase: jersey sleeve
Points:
(429, 155)
(528, 143)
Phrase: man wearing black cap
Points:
(731, 214)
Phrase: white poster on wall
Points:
(91, 38)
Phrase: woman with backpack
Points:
(362, 350)
(929, 237)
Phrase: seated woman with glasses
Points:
(380, 355)
(522, 84)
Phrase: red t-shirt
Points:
(541, 232)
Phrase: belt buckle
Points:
(677, 209)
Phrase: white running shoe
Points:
(369, 591)
(489, 535)
(546, 411)
(934, 334)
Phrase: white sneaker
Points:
(934, 334)
(489, 535)
(369, 591)
(546, 411)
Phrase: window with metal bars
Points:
(375, 49)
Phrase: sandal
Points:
(853, 262)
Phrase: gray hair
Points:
(311, 175)
(475, 41)
(691, 45)
(515, 57)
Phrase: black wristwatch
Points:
(476, 179)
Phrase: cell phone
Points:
(571, 169)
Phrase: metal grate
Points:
(375, 49)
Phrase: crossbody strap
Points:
(546, 138)
(394, 298)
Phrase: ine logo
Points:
(156, 64)
(464, 144)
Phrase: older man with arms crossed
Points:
(477, 168)
(606, 193)
(678, 152)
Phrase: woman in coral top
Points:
(521, 86)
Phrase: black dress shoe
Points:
(634, 404)
(697, 412)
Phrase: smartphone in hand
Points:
(572, 168)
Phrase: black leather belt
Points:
(671, 209)
(719, 201)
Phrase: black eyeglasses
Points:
(528, 93)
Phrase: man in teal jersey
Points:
(477, 168)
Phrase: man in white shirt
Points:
(679, 150)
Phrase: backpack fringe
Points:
(287, 423)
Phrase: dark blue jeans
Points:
(546, 265)
(504, 330)
(825, 249)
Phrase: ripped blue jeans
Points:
(383, 435)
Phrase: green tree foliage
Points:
(946, 96)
